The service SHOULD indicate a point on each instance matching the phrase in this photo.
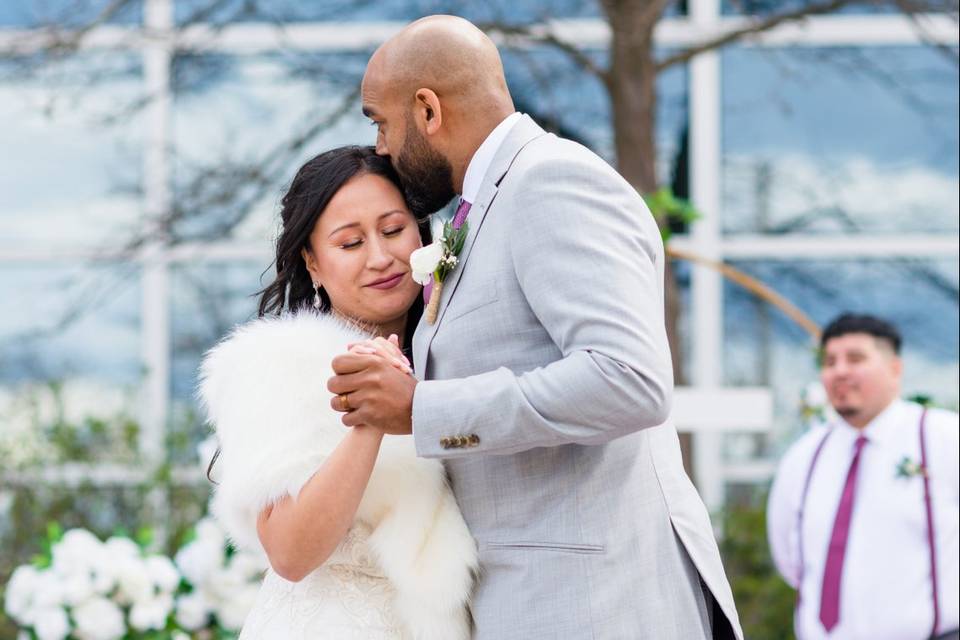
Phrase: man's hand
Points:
(376, 391)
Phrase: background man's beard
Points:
(847, 412)
(426, 175)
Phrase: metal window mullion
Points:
(706, 285)
(155, 301)
(250, 38)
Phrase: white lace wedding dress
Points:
(346, 598)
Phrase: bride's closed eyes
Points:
(389, 232)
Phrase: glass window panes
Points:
(775, 7)
(838, 140)
(209, 299)
(71, 161)
(71, 321)
(73, 13)
(242, 127)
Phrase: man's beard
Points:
(426, 175)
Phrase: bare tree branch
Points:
(541, 34)
(757, 27)
(911, 11)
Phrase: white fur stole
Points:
(264, 388)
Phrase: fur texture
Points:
(264, 388)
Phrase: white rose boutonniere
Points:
(424, 261)
(436, 261)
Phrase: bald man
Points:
(545, 380)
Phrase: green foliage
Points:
(667, 208)
(453, 241)
(922, 399)
(765, 602)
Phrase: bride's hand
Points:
(388, 349)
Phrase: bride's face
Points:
(360, 251)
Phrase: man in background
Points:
(864, 510)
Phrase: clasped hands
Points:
(373, 386)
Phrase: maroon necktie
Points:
(830, 592)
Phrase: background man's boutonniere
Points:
(435, 261)
(907, 468)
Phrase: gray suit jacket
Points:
(546, 386)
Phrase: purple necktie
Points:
(461, 215)
(830, 592)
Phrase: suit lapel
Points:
(520, 135)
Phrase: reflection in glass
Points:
(208, 300)
(70, 168)
(70, 321)
(242, 127)
(775, 7)
(839, 141)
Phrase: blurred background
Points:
(808, 146)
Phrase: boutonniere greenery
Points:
(908, 468)
(436, 261)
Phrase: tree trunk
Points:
(632, 85)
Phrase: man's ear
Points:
(427, 110)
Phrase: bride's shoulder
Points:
(275, 360)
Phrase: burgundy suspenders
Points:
(931, 537)
(803, 503)
(928, 505)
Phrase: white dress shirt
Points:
(483, 156)
(885, 589)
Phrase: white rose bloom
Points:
(76, 552)
(122, 547)
(248, 565)
(210, 532)
(151, 614)
(193, 611)
(20, 591)
(232, 612)
(99, 619)
(424, 261)
(198, 560)
(48, 590)
(52, 624)
(133, 581)
(163, 573)
(77, 587)
(104, 576)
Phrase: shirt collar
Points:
(483, 156)
(883, 426)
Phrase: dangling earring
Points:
(316, 296)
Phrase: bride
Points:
(363, 538)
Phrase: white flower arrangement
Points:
(92, 590)
(35, 419)
(222, 584)
(85, 589)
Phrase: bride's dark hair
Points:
(312, 188)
